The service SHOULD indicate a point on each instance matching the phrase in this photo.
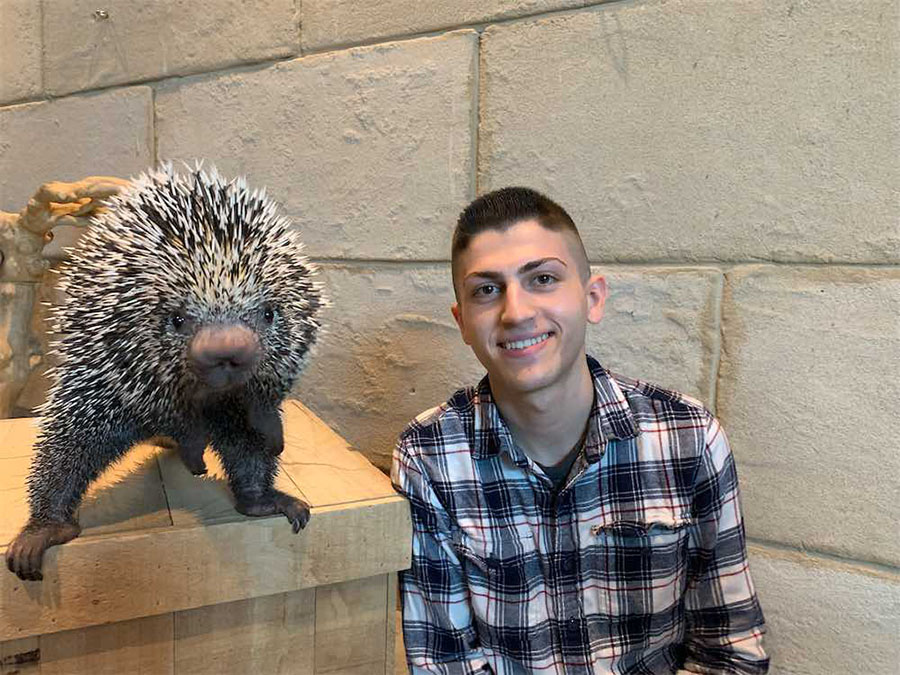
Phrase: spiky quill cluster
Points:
(193, 246)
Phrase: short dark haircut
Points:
(500, 209)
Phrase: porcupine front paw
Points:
(26, 552)
(275, 501)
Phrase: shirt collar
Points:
(610, 419)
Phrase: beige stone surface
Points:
(150, 40)
(826, 617)
(697, 130)
(20, 50)
(808, 392)
(327, 23)
(70, 138)
(661, 325)
(391, 349)
(370, 149)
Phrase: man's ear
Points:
(596, 297)
(457, 315)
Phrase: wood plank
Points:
(400, 666)
(325, 468)
(120, 576)
(127, 496)
(390, 638)
(13, 494)
(272, 634)
(17, 437)
(351, 621)
(20, 657)
(198, 501)
(141, 646)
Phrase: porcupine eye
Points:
(269, 315)
(177, 319)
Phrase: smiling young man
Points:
(565, 520)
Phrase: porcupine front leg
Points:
(190, 448)
(251, 475)
(61, 471)
(266, 421)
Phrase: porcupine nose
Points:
(224, 355)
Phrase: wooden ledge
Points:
(157, 539)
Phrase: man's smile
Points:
(518, 345)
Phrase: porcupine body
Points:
(189, 311)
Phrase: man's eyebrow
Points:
(524, 269)
(534, 264)
(483, 275)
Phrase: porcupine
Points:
(189, 312)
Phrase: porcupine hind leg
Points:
(251, 475)
(61, 471)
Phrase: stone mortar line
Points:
(242, 67)
(723, 267)
(475, 121)
(479, 26)
(840, 563)
(298, 17)
(718, 340)
(154, 127)
(43, 76)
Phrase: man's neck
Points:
(546, 424)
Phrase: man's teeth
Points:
(521, 344)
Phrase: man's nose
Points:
(517, 305)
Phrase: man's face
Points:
(524, 300)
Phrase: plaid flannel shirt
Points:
(637, 564)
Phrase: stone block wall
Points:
(734, 168)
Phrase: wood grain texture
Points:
(324, 467)
(272, 634)
(390, 637)
(351, 624)
(141, 646)
(127, 496)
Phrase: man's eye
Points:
(485, 291)
(544, 279)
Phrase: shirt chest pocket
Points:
(635, 567)
(505, 579)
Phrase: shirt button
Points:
(568, 565)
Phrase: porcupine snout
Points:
(224, 356)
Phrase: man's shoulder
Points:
(650, 402)
(438, 425)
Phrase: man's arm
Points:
(438, 631)
(724, 622)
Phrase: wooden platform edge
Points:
(105, 579)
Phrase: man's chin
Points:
(521, 381)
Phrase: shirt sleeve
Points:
(438, 630)
(724, 623)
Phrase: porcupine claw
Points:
(296, 510)
(26, 552)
